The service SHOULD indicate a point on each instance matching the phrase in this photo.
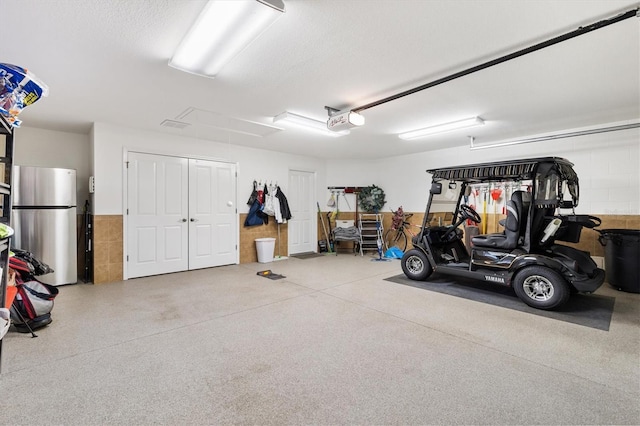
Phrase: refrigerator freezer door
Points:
(50, 234)
(40, 186)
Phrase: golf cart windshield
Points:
(444, 203)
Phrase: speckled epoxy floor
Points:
(332, 343)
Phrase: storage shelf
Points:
(370, 225)
(5, 192)
(5, 127)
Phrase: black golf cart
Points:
(524, 254)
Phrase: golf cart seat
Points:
(513, 226)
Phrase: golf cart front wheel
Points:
(415, 265)
(541, 287)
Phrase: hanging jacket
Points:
(254, 194)
(284, 205)
(262, 197)
(276, 207)
(252, 217)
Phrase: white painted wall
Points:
(109, 144)
(608, 165)
(50, 148)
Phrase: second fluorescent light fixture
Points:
(223, 29)
(441, 128)
(307, 123)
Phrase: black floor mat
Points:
(306, 255)
(269, 274)
(587, 310)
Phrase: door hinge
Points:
(127, 211)
(127, 258)
(127, 163)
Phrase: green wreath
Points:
(371, 198)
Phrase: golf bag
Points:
(31, 308)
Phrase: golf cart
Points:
(524, 254)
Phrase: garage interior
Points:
(339, 339)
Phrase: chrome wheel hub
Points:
(538, 288)
(414, 264)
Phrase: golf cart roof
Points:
(521, 169)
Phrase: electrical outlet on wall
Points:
(92, 184)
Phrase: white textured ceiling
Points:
(106, 61)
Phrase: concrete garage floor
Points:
(333, 343)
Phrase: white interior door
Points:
(212, 214)
(157, 212)
(302, 226)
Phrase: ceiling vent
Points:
(201, 119)
(174, 124)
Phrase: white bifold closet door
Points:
(157, 215)
(212, 214)
(181, 214)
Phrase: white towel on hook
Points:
(269, 202)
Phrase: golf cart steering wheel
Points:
(468, 213)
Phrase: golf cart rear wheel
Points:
(541, 287)
(415, 265)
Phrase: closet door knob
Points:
(194, 220)
(183, 220)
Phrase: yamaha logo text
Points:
(494, 279)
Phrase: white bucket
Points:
(265, 248)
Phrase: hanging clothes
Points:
(277, 213)
(284, 205)
(254, 194)
(269, 201)
(253, 218)
(262, 196)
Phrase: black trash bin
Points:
(621, 258)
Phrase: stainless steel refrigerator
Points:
(44, 219)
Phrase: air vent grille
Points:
(174, 124)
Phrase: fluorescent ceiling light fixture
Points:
(223, 29)
(441, 128)
(571, 133)
(307, 123)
